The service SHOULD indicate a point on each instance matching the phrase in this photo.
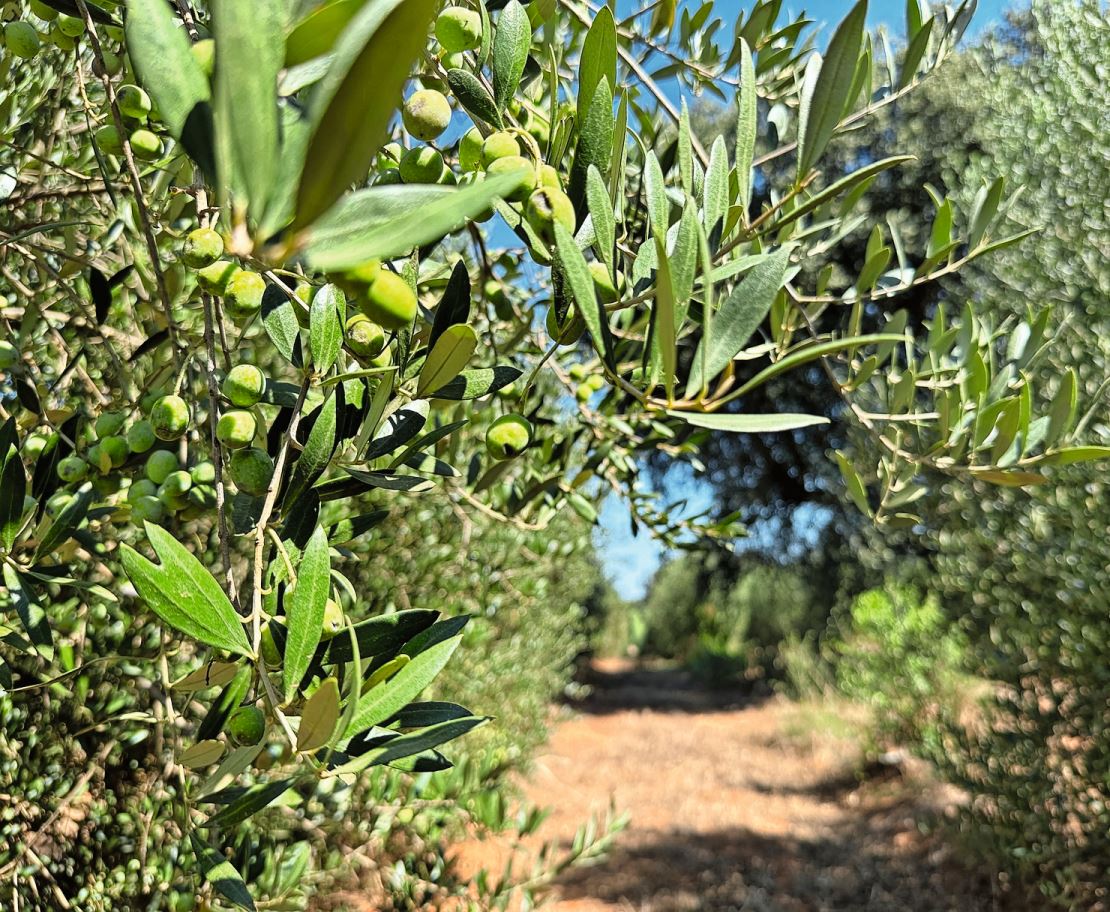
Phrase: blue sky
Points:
(630, 561)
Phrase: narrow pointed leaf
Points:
(738, 318)
(377, 49)
(326, 326)
(321, 713)
(511, 41)
(599, 60)
(581, 285)
(219, 872)
(447, 358)
(304, 609)
(746, 126)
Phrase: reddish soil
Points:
(736, 803)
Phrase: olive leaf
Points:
(304, 610)
(321, 712)
(183, 593)
(447, 358)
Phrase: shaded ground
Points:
(733, 807)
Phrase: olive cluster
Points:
(26, 38)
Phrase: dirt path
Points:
(732, 809)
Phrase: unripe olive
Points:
(108, 140)
(141, 436)
(244, 385)
(204, 53)
(499, 145)
(202, 247)
(215, 278)
(421, 165)
(271, 655)
(44, 12)
(388, 178)
(549, 177)
(175, 503)
(22, 39)
(470, 150)
(177, 483)
(508, 436)
(243, 294)
(110, 64)
(170, 417)
(389, 301)
(133, 102)
(159, 465)
(245, 726)
(58, 502)
(145, 145)
(362, 275)
(596, 382)
(582, 392)
(426, 114)
(458, 29)
(236, 429)
(72, 468)
(548, 207)
(98, 459)
(143, 487)
(202, 496)
(203, 473)
(60, 39)
(147, 508)
(33, 446)
(9, 355)
(252, 470)
(577, 371)
(520, 166)
(70, 26)
(364, 337)
(108, 424)
(116, 449)
(569, 330)
(448, 178)
(333, 619)
(385, 359)
(603, 283)
(391, 153)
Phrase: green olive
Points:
(204, 53)
(459, 29)
(252, 470)
(108, 424)
(214, 279)
(177, 483)
(108, 140)
(159, 465)
(499, 145)
(116, 449)
(70, 26)
(426, 114)
(170, 417)
(508, 436)
(203, 473)
(202, 247)
(364, 337)
(333, 619)
(244, 385)
(548, 207)
(243, 293)
(22, 39)
(140, 436)
(142, 487)
(470, 150)
(133, 102)
(145, 145)
(72, 468)
(520, 166)
(390, 301)
(246, 725)
(421, 165)
(9, 355)
(147, 508)
(236, 429)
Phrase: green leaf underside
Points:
(748, 424)
(386, 222)
(305, 610)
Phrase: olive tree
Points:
(249, 283)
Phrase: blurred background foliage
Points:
(980, 639)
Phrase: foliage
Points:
(898, 653)
(181, 208)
